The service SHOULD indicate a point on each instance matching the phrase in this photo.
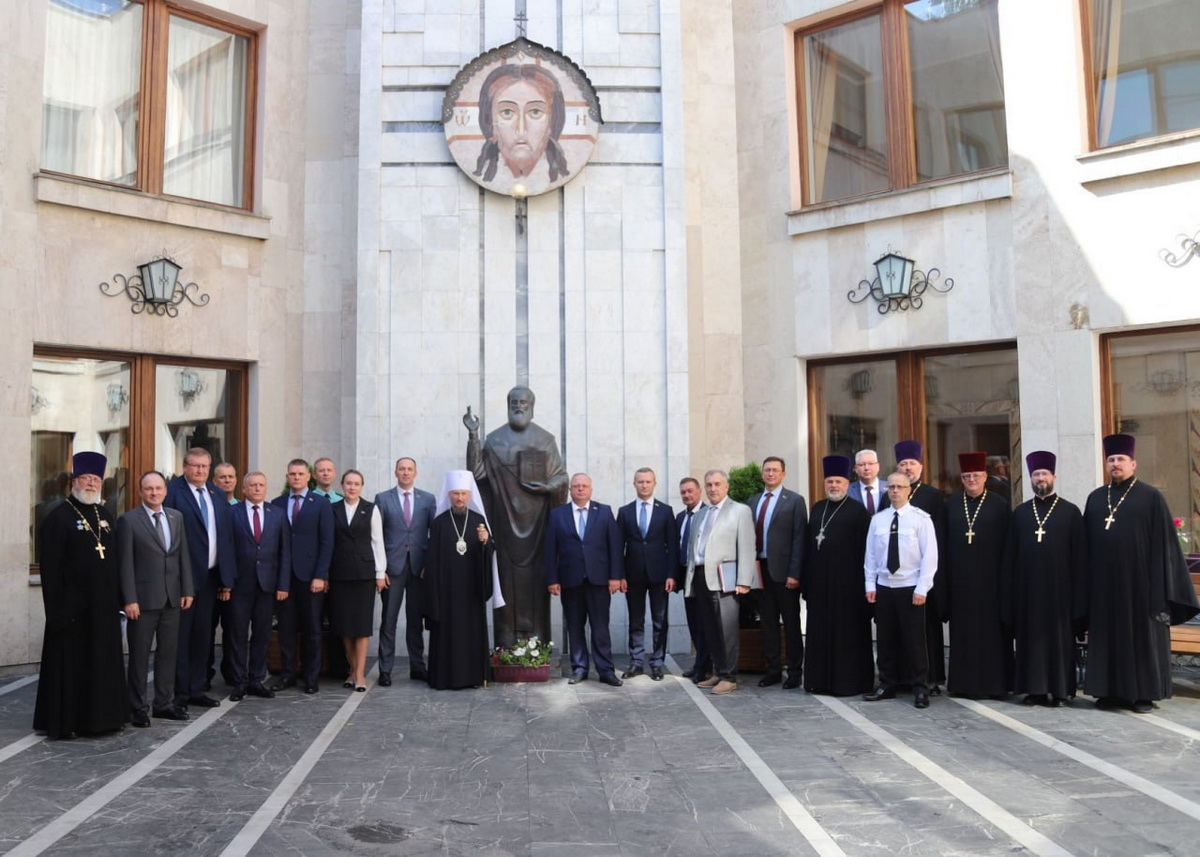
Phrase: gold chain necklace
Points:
(1112, 510)
(821, 532)
(1039, 532)
(971, 518)
(87, 526)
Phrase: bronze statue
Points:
(521, 477)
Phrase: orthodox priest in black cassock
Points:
(837, 657)
(910, 455)
(1138, 585)
(458, 584)
(81, 689)
(1044, 604)
(981, 662)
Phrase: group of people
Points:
(192, 557)
(1018, 588)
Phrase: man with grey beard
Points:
(1044, 564)
(81, 686)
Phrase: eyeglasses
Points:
(896, 487)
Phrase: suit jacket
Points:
(312, 535)
(267, 563)
(785, 534)
(151, 575)
(570, 561)
(654, 557)
(730, 539)
(400, 540)
(685, 550)
(182, 497)
(882, 501)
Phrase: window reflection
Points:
(192, 407)
(856, 408)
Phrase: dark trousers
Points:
(195, 636)
(935, 642)
(900, 638)
(775, 602)
(635, 601)
(587, 604)
(220, 616)
(163, 624)
(300, 614)
(250, 631)
(703, 663)
(400, 585)
(719, 612)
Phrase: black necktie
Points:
(893, 559)
(685, 543)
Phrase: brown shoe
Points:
(711, 681)
(725, 687)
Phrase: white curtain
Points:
(1106, 42)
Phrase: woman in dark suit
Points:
(358, 570)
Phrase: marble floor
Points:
(648, 768)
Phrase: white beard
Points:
(88, 498)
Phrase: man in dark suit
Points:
(261, 575)
(311, 527)
(407, 512)
(780, 519)
(156, 584)
(690, 494)
(651, 568)
(868, 490)
(210, 552)
(582, 560)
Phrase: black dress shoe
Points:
(936, 690)
(170, 714)
(310, 687)
(611, 680)
(1142, 706)
(633, 672)
(577, 677)
(770, 679)
(921, 698)
(141, 721)
(385, 679)
(699, 677)
(1034, 699)
(418, 675)
(793, 682)
(1056, 702)
(203, 702)
(282, 683)
(880, 693)
(689, 673)
(259, 690)
(1108, 703)
(237, 694)
(656, 673)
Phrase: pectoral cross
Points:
(1039, 532)
(1108, 521)
(970, 536)
(820, 538)
(100, 549)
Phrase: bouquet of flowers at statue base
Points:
(528, 660)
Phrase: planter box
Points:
(514, 673)
(750, 650)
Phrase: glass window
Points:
(855, 408)
(1154, 394)
(187, 135)
(77, 405)
(192, 409)
(864, 95)
(1145, 68)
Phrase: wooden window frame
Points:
(142, 400)
(152, 110)
(1108, 409)
(897, 103)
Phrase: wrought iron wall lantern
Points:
(1189, 249)
(898, 285)
(156, 288)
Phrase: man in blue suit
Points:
(206, 525)
(259, 577)
(582, 560)
(407, 512)
(651, 566)
(310, 517)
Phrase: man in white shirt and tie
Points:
(900, 564)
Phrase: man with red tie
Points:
(867, 489)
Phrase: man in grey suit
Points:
(156, 584)
(780, 522)
(407, 512)
(867, 488)
(721, 567)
